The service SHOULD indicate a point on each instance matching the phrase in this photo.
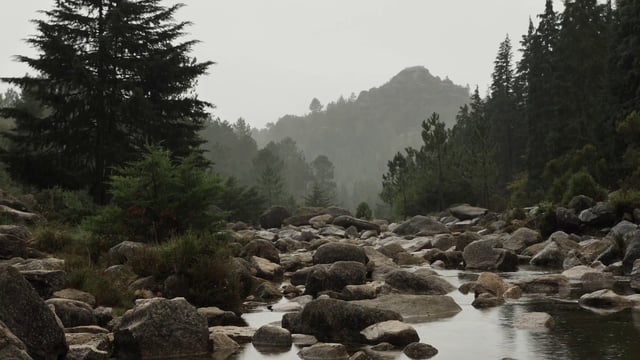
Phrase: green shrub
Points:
(545, 219)
(154, 199)
(624, 201)
(582, 183)
(363, 211)
(53, 239)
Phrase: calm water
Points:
(489, 334)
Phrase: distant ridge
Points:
(359, 135)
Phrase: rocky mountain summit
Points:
(347, 288)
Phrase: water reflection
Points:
(490, 334)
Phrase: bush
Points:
(582, 183)
(546, 219)
(363, 211)
(65, 206)
(624, 201)
(53, 239)
(154, 199)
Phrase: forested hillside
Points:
(361, 133)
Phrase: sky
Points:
(274, 56)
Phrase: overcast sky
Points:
(274, 56)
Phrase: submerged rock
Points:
(393, 331)
(605, 301)
(415, 308)
(534, 321)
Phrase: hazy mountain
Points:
(360, 134)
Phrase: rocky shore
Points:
(356, 288)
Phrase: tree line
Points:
(561, 121)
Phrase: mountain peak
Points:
(413, 74)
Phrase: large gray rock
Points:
(620, 230)
(521, 239)
(160, 328)
(218, 317)
(271, 336)
(605, 300)
(11, 348)
(362, 225)
(261, 248)
(266, 269)
(598, 216)
(274, 217)
(332, 320)
(422, 225)
(27, 316)
(410, 283)
(420, 351)
(72, 313)
(337, 251)
(12, 246)
(335, 276)
(74, 294)
(392, 331)
(324, 351)
(483, 255)
(125, 251)
(550, 256)
(567, 220)
(46, 282)
(415, 308)
(467, 212)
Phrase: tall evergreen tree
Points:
(113, 76)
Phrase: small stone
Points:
(420, 351)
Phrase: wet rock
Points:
(286, 307)
(86, 352)
(335, 277)
(415, 308)
(572, 259)
(420, 351)
(271, 336)
(303, 340)
(161, 328)
(493, 283)
(261, 248)
(26, 315)
(534, 321)
(274, 217)
(545, 284)
(421, 225)
(406, 259)
(631, 254)
(218, 317)
(239, 334)
(549, 256)
(605, 300)
(266, 291)
(336, 251)
(221, 341)
(324, 351)
(409, 283)
(620, 230)
(486, 300)
(597, 281)
(483, 255)
(336, 320)
(393, 331)
(72, 312)
(10, 346)
(591, 249)
(576, 272)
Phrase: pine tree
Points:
(113, 76)
(268, 170)
(435, 138)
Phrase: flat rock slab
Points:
(415, 308)
(242, 335)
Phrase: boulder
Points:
(72, 312)
(18, 231)
(74, 294)
(576, 272)
(409, 283)
(40, 264)
(266, 269)
(160, 328)
(12, 246)
(25, 216)
(620, 230)
(274, 217)
(124, 251)
(261, 248)
(271, 336)
(486, 300)
(336, 251)
(332, 231)
(415, 308)
(545, 284)
(239, 334)
(217, 317)
(467, 212)
(46, 282)
(362, 225)
(549, 256)
(11, 347)
(421, 225)
(26, 315)
(336, 320)
(392, 331)
(492, 283)
(86, 352)
(521, 239)
(631, 254)
(221, 341)
(605, 300)
(581, 202)
(324, 351)
(483, 255)
(567, 220)
(320, 220)
(335, 276)
(597, 281)
(534, 321)
(420, 351)
(598, 216)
